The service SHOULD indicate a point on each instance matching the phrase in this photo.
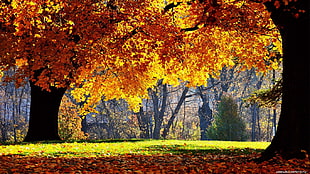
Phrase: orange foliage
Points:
(70, 124)
(119, 48)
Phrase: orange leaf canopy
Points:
(120, 48)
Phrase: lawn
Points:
(125, 147)
(141, 156)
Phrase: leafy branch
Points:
(267, 97)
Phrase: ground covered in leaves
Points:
(143, 157)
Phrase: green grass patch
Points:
(122, 147)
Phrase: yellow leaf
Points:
(32, 3)
(14, 4)
(70, 22)
(21, 62)
(47, 19)
(37, 35)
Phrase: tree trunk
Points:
(175, 112)
(84, 125)
(44, 107)
(159, 113)
(205, 115)
(143, 121)
(205, 118)
(292, 139)
(254, 111)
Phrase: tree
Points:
(121, 48)
(227, 124)
(205, 112)
(292, 20)
(159, 107)
(292, 138)
(64, 44)
(144, 123)
(175, 112)
(162, 109)
(205, 115)
(113, 121)
(41, 42)
(14, 111)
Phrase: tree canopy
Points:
(120, 48)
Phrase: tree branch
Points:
(171, 5)
(190, 29)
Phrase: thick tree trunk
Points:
(205, 118)
(159, 113)
(292, 139)
(143, 120)
(44, 107)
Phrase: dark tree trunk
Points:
(143, 120)
(292, 139)
(205, 115)
(159, 113)
(44, 107)
(175, 112)
(205, 118)
(84, 125)
(255, 112)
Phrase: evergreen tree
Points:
(227, 124)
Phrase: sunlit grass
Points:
(122, 147)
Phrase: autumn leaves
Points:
(122, 51)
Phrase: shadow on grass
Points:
(198, 150)
(111, 141)
(74, 141)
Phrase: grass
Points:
(142, 156)
(122, 147)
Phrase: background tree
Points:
(227, 124)
(159, 107)
(113, 120)
(145, 123)
(205, 114)
(175, 111)
(14, 110)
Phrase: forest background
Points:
(170, 112)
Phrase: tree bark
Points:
(44, 107)
(292, 139)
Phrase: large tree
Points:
(292, 138)
(57, 45)
(120, 48)
(291, 18)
